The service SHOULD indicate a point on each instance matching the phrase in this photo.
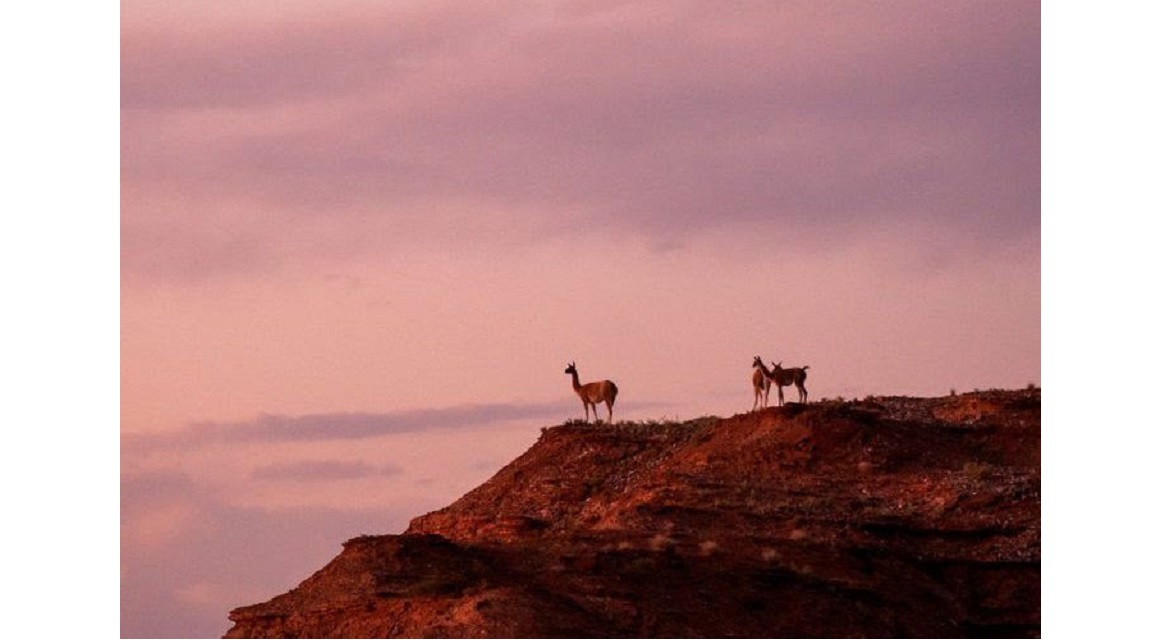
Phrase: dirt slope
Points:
(891, 517)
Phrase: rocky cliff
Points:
(887, 517)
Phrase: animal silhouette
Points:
(786, 377)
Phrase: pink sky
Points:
(360, 241)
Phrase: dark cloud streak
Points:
(269, 428)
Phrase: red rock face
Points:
(889, 517)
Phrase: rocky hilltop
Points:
(886, 517)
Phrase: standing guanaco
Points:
(593, 393)
(785, 377)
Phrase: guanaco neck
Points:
(763, 370)
(575, 380)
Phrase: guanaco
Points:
(593, 393)
(785, 377)
(761, 383)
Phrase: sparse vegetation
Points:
(976, 471)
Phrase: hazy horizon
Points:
(361, 241)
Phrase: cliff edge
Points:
(886, 517)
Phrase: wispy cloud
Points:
(312, 470)
(269, 428)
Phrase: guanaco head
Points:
(757, 363)
(777, 365)
(571, 368)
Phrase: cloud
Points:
(269, 428)
(246, 147)
(213, 528)
(227, 557)
(258, 60)
(188, 554)
(310, 470)
(149, 489)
